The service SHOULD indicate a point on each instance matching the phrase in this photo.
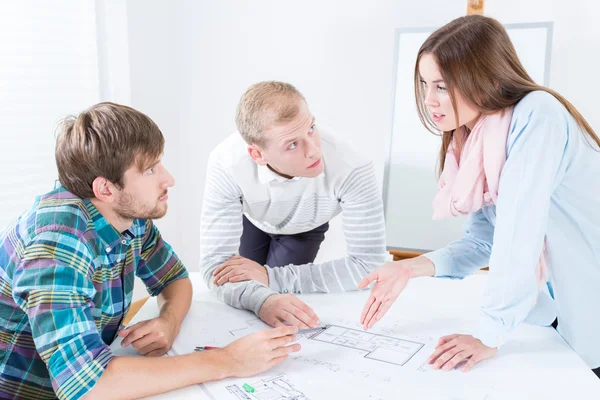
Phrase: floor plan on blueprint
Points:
(378, 347)
(339, 361)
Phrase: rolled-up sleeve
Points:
(52, 286)
(468, 254)
(159, 265)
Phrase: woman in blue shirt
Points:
(547, 204)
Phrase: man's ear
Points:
(104, 190)
(257, 154)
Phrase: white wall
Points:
(48, 70)
(154, 62)
(191, 61)
(340, 55)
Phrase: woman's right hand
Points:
(390, 280)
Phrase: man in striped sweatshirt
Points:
(271, 190)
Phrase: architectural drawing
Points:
(252, 326)
(378, 347)
(273, 388)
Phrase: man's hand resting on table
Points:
(287, 309)
(239, 269)
(152, 338)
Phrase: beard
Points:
(130, 208)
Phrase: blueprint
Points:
(277, 387)
(341, 361)
(378, 347)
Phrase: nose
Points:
(430, 98)
(312, 147)
(169, 181)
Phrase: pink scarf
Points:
(472, 182)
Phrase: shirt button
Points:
(107, 249)
(123, 241)
(118, 259)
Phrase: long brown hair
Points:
(476, 57)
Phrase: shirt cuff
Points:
(442, 261)
(490, 332)
(259, 295)
(273, 282)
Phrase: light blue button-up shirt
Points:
(549, 189)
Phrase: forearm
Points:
(468, 254)
(135, 377)
(175, 299)
(419, 266)
(339, 275)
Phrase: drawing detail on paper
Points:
(277, 387)
(378, 347)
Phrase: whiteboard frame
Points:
(549, 25)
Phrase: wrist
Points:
(217, 361)
(226, 362)
(172, 320)
(419, 266)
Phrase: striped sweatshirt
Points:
(236, 186)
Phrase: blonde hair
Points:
(265, 104)
(104, 140)
(477, 58)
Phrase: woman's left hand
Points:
(453, 349)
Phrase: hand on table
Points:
(451, 350)
(282, 309)
(239, 269)
(152, 338)
(260, 351)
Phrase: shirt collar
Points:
(106, 232)
(266, 175)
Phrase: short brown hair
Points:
(264, 104)
(104, 140)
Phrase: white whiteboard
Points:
(410, 180)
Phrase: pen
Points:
(319, 328)
(203, 348)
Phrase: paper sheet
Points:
(341, 361)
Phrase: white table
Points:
(534, 363)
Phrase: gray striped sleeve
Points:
(364, 231)
(220, 232)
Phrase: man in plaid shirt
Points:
(67, 268)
